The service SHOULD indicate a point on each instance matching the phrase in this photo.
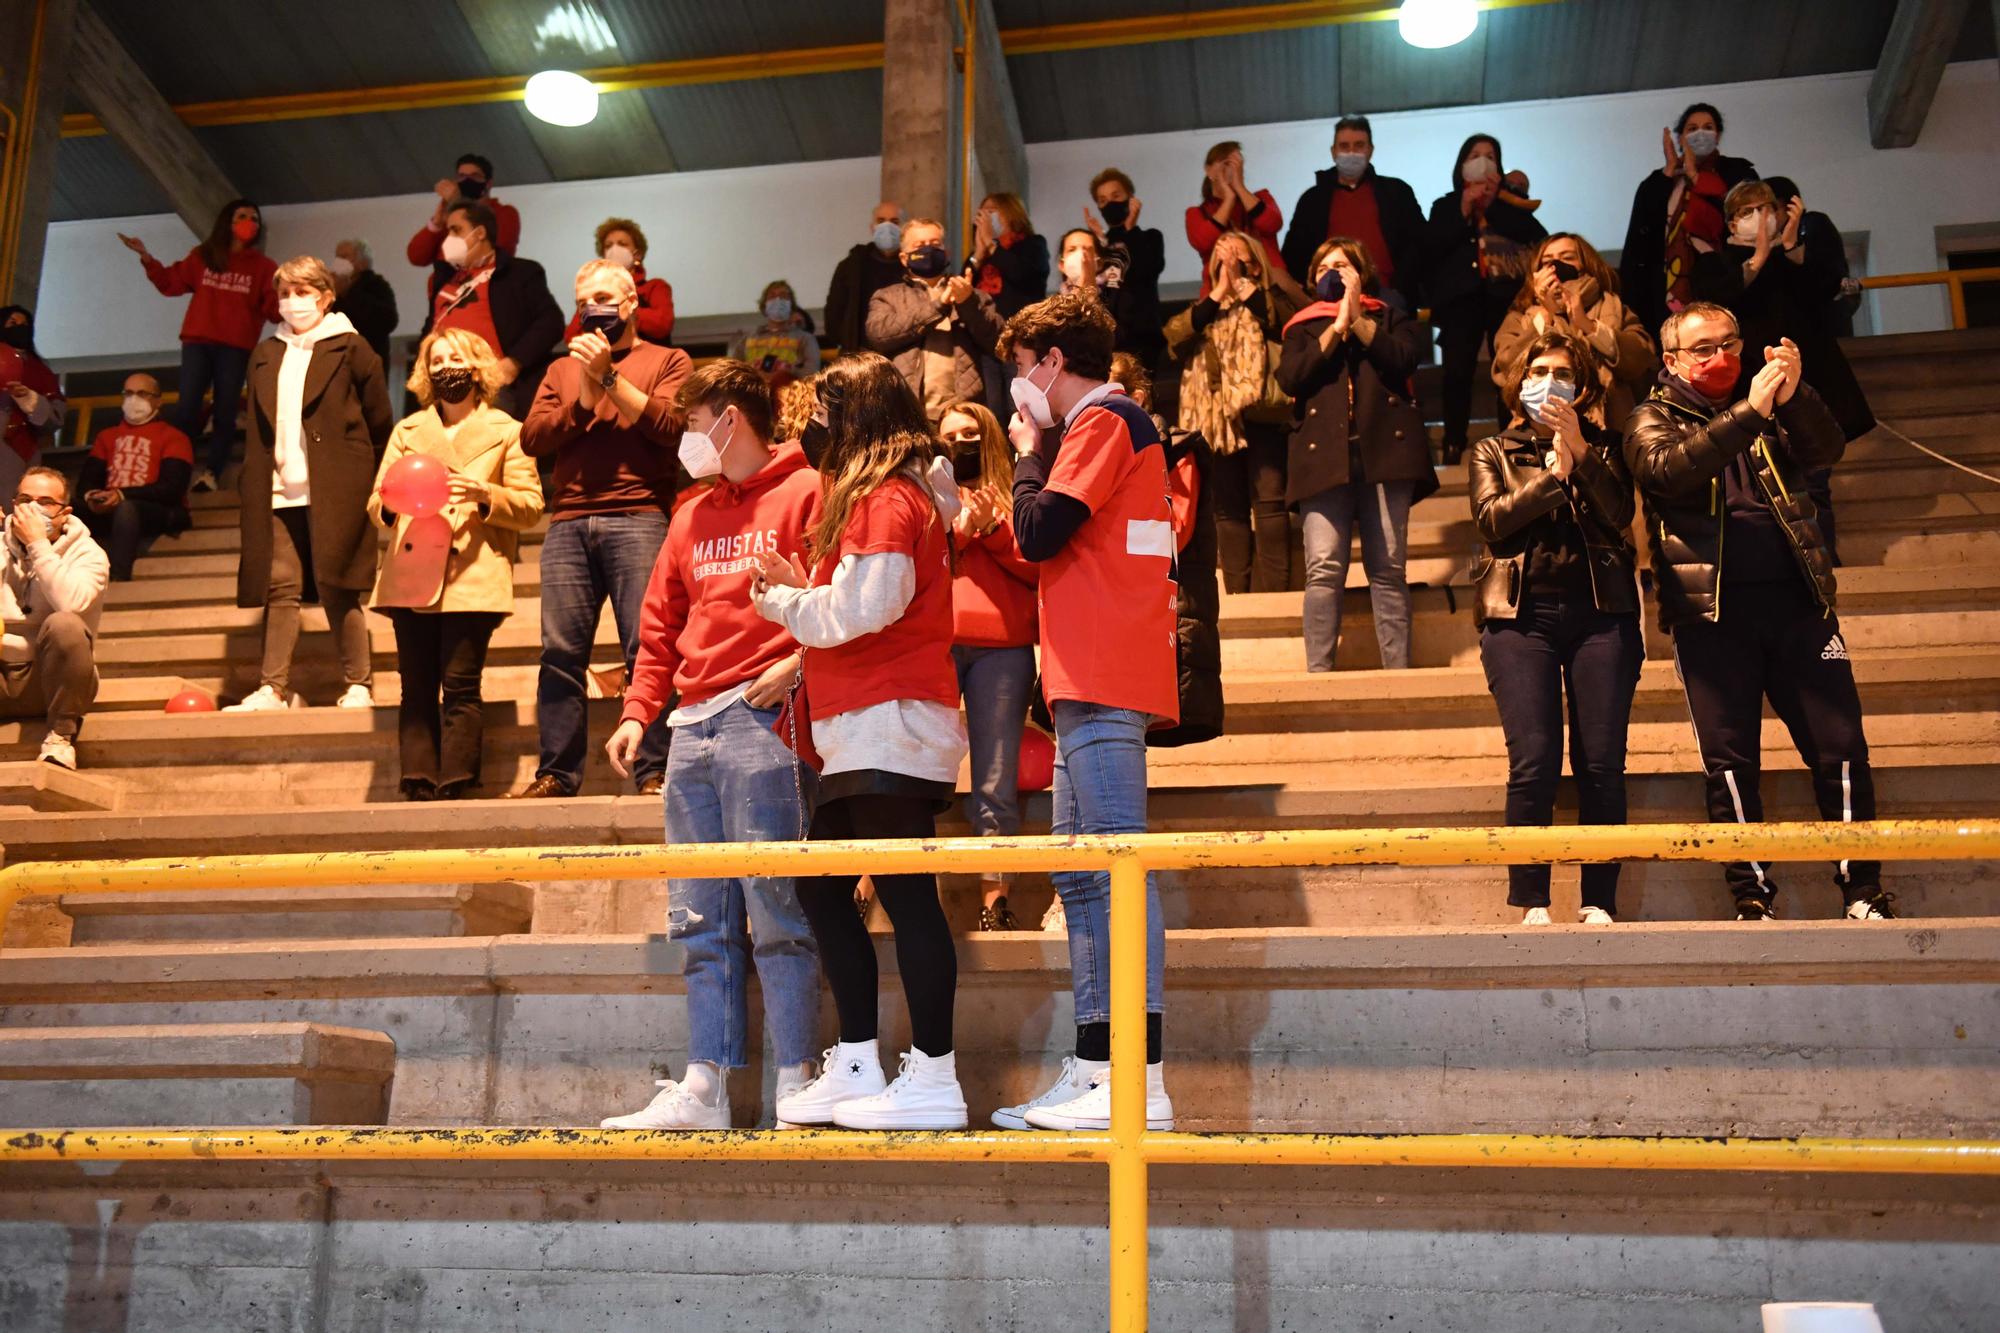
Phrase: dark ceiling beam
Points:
(1919, 44)
(157, 140)
(33, 88)
(1177, 27)
(996, 125)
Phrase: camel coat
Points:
(478, 574)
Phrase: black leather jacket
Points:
(1677, 450)
(1513, 495)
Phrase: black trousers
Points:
(441, 656)
(925, 955)
(1253, 529)
(126, 531)
(1468, 324)
(1774, 642)
(1557, 647)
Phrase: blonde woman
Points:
(445, 600)
(1224, 342)
(319, 413)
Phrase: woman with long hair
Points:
(1571, 290)
(879, 703)
(446, 601)
(993, 632)
(1225, 342)
(230, 277)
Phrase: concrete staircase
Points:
(1361, 999)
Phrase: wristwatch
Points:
(610, 380)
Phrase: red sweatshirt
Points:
(698, 632)
(423, 247)
(993, 594)
(231, 307)
(1203, 231)
(656, 309)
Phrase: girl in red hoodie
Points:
(234, 298)
(993, 632)
(874, 621)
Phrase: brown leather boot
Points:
(544, 786)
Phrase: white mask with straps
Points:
(701, 455)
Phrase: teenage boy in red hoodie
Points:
(1090, 507)
(729, 777)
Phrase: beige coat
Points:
(479, 574)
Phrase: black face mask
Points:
(967, 466)
(470, 187)
(452, 384)
(603, 320)
(1116, 212)
(17, 336)
(1330, 286)
(928, 261)
(1566, 271)
(816, 440)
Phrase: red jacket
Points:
(23, 436)
(698, 632)
(1203, 231)
(993, 595)
(231, 307)
(423, 248)
(656, 309)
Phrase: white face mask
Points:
(453, 250)
(621, 255)
(1747, 226)
(138, 409)
(300, 313)
(339, 267)
(1703, 143)
(886, 236)
(700, 454)
(1350, 165)
(1072, 267)
(1032, 400)
(1477, 169)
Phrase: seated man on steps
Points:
(1746, 584)
(52, 579)
(135, 482)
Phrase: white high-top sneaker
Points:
(1092, 1110)
(1595, 916)
(1536, 916)
(848, 1071)
(263, 699)
(701, 1101)
(925, 1095)
(1073, 1082)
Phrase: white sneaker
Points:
(925, 1095)
(204, 480)
(1055, 918)
(1075, 1080)
(1536, 916)
(850, 1071)
(1595, 916)
(355, 696)
(675, 1107)
(263, 700)
(1092, 1110)
(58, 750)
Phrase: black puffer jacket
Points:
(1516, 501)
(1198, 639)
(1677, 450)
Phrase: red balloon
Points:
(191, 700)
(1038, 761)
(417, 485)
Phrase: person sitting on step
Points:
(135, 481)
(52, 581)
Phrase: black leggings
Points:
(924, 952)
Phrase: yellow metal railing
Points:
(1129, 1149)
(1953, 279)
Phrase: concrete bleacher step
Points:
(1636, 1029)
(176, 1073)
(28, 783)
(401, 911)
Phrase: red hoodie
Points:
(698, 632)
(231, 307)
(993, 595)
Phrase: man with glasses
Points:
(1746, 585)
(52, 578)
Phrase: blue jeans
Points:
(730, 779)
(1100, 787)
(584, 561)
(996, 683)
(220, 368)
(1329, 518)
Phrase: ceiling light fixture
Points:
(562, 97)
(1433, 24)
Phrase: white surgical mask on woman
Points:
(1476, 169)
(300, 313)
(1744, 230)
(621, 255)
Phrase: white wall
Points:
(717, 236)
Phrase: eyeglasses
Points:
(1707, 351)
(46, 504)
(1560, 374)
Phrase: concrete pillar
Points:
(1001, 159)
(921, 112)
(34, 85)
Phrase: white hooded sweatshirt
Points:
(291, 484)
(68, 573)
